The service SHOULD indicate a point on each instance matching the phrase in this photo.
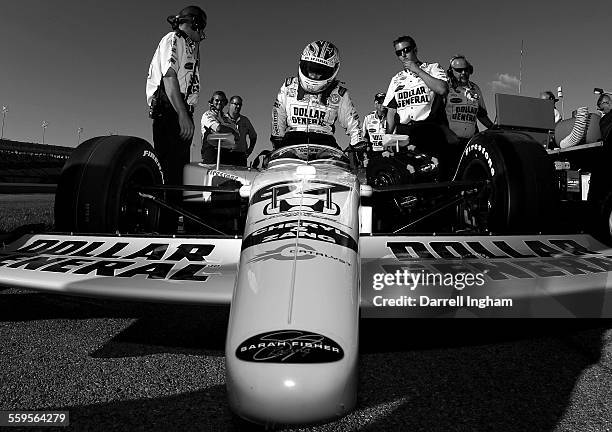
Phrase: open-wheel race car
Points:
(307, 245)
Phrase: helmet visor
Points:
(316, 71)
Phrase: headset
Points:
(195, 16)
(470, 68)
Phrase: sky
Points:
(83, 63)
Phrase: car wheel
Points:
(96, 190)
(520, 195)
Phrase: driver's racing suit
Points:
(297, 111)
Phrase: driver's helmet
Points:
(321, 58)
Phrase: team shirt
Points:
(463, 105)
(179, 52)
(410, 96)
(212, 119)
(375, 128)
(310, 114)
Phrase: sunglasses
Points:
(404, 51)
(219, 101)
(459, 70)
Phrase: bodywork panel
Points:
(546, 276)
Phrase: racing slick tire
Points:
(521, 195)
(94, 193)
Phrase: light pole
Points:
(4, 111)
(44, 125)
(79, 132)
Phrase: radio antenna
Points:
(521, 67)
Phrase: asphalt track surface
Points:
(134, 366)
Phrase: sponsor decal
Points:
(189, 66)
(456, 100)
(215, 173)
(289, 346)
(316, 199)
(302, 115)
(297, 214)
(150, 154)
(285, 190)
(305, 230)
(477, 148)
(465, 113)
(300, 252)
(499, 260)
(184, 261)
(334, 98)
(415, 96)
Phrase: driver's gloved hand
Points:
(277, 141)
(360, 149)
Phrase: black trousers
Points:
(430, 138)
(173, 155)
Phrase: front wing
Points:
(401, 276)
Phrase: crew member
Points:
(245, 129)
(415, 101)
(375, 123)
(216, 120)
(173, 84)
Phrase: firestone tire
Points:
(522, 196)
(94, 192)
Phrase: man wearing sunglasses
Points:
(307, 106)
(415, 93)
(215, 120)
(465, 103)
(415, 102)
(173, 84)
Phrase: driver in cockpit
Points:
(307, 106)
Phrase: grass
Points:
(18, 210)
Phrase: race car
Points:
(302, 254)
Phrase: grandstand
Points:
(22, 162)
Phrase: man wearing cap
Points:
(375, 123)
(173, 84)
(465, 102)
